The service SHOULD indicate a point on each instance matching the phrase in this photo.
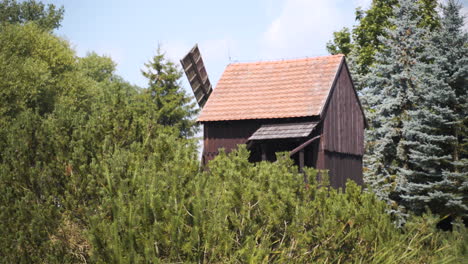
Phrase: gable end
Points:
(343, 118)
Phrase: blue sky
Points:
(130, 31)
(226, 31)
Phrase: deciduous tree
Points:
(365, 41)
(47, 17)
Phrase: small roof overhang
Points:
(283, 131)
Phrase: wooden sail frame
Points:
(197, 76)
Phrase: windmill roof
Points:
(272, 89)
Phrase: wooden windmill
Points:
(308, 107)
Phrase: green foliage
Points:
(451, 47)
(364, 42)
(175, 107)
(62, 118)
(371, 25)
(38, 74)
(95, 170)
(393, 89)
(437, 177)
(37, 65)
(98, 68)
(416, 111)
(341, 43)
(239, 212)
(48, 18)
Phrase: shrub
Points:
(239, 212)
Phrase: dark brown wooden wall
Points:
(226, 135)
(343, 128)
(342, 167)
(342, 142)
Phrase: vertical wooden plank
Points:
(343, 169)
(349, 120)
(361, 180)
(320, 160)
(334, 126)
(356, 112)
(342, 116)
(331, 168)
(336, 118)
(264, 152)
(340, 166)
(205, 143)
(328, 166)
(301, 160)
(353, 117)
(336, 170)
(335, 122)
(301, 165)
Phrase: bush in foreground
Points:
(239, 212)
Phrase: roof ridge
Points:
(286, 60)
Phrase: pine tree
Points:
(451, 44)
(416, 99)
(173, 106)
(437, 176)
(392, 93)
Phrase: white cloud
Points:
(303, 28)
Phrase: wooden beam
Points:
(264, 155)
(303, 145)
(249, 144)
(195, 68)
(301, 160)
(301, 167)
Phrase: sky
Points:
(226, 31)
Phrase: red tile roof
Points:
(272, 89)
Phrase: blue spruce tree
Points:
(437, 174)
(451, 44)
(392, 92)
(417, 105)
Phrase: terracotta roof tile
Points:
(272, 89)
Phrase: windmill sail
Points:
(195, 70)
